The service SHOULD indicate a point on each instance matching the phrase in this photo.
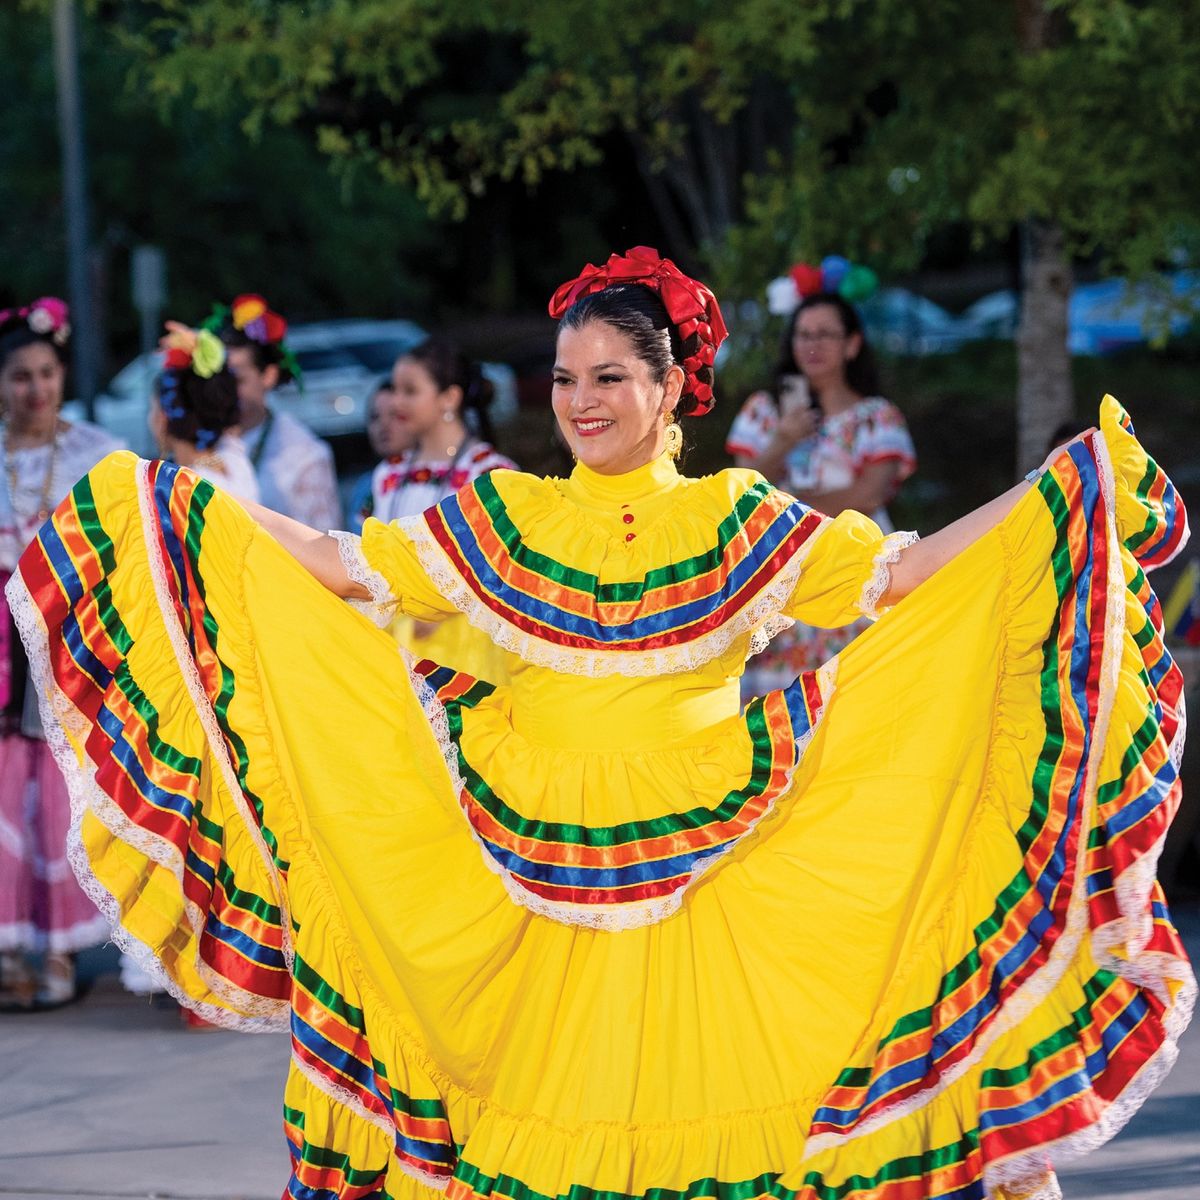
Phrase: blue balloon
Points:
(833, 271)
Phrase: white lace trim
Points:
(1045, 1188)
(761, 619)
(382, 606)
(1029, 1168)
(64, 725)
(880, 580)
(60, 717)
(603, 918)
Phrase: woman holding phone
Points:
(830, 439)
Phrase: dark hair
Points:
(265, 354)
(640, 315)
(19, 335)
(861, 372)
(450, 367)
(198, 410)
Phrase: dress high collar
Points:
(656, 478)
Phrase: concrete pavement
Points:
(113, 1099)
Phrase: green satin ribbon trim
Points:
(616, 593)
(605, 836)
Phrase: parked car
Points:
(340, 361)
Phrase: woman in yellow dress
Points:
(891, 932)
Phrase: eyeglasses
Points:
(821, 335)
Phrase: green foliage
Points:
(923, 115)
(781, 130)
(233, 215)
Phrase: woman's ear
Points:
(853, 347)
(452, 399)
(673, 388)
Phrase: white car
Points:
(341, 363)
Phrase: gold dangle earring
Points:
(672, 437)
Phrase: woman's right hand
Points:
(797, 424)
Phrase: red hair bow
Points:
(692, 307)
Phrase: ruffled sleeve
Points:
(847, 572)
(882, 436)
(384, 561)
(752, 428)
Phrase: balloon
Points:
(807, 279)
(833, 271)
(782, 296)
(858, 284)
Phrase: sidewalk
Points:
(113, 1099)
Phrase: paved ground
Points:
(85, 1110)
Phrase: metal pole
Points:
(75, 198)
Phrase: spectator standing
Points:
(830, 439)
(439, 407)
(43, 910)
(389, 437)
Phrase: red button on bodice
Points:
(628, 518)
(630, 536)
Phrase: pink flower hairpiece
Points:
(47, 316)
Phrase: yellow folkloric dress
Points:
(892, 932)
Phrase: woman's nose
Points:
(584, 397)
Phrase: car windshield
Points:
(136, 378)
(378, 356)
(327, 358)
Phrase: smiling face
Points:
(31, 387)
(821, 347)
(610, 409)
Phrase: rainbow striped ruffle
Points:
(446, 1038)
(556, 615)
(620, 876)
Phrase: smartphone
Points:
(793, 394)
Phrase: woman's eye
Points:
(562, 380)
(611, 378)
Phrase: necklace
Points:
(408, 473)
(10, 473)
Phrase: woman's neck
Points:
(30, 433)
(836, 396)
(184, 453)
(443, 442)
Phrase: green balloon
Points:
(858, 284)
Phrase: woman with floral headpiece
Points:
(43, 912)
(294, 467)
(195, 414)
(890, 931)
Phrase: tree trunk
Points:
(1044, 396)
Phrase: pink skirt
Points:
(42, 908)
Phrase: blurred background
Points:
(1021, 178)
